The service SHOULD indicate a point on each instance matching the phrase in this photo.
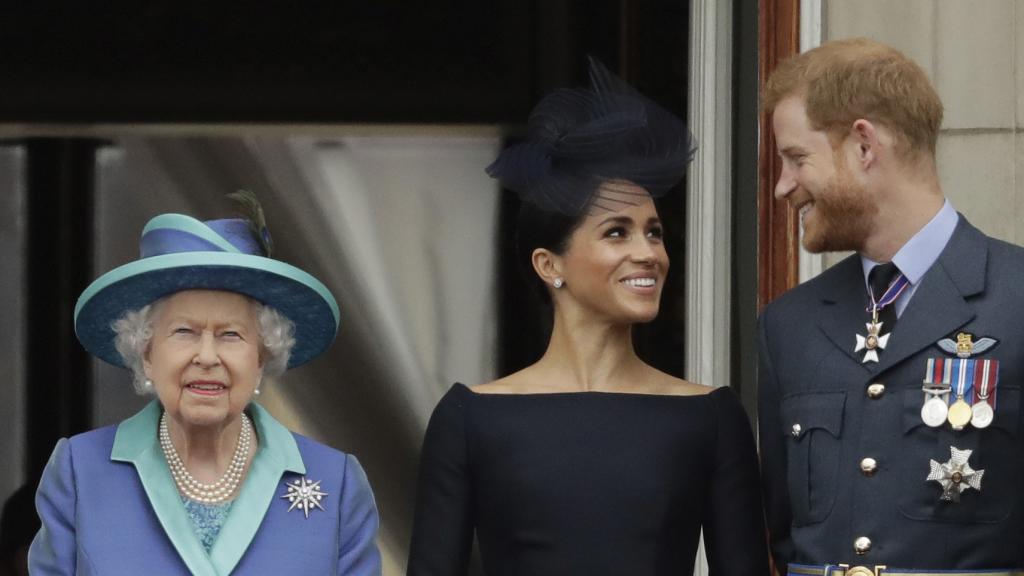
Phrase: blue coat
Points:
(820, 418)
(109, 506)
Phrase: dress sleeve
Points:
(442, 532)
(773, 452)
(358, 554)
(53, 550)
(734, 535)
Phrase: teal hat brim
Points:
(296, 294)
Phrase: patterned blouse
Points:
(207, 519)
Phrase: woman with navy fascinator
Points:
(590, 462)
(203, 480)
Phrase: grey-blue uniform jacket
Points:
(818, 423)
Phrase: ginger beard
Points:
(843, 216)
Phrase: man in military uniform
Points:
(889, 408)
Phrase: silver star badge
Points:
(873, 342)
(304, 495)
(956, 475)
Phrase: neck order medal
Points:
(873, 342)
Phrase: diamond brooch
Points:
(304, 494)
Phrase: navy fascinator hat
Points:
(579, 139)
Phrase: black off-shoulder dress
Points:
(588, 484)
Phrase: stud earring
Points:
(558, 283)
(147, 385)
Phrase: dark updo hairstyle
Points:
(578, 140)
(537, 228)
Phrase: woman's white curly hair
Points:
(134, 330)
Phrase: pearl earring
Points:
(558, 283)
(147, 385)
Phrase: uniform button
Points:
(868, 466)
(862, 545)
(876, 390)
(796, 430)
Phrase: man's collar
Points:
(922, 250)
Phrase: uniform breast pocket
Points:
(812, 424)
(995, 449)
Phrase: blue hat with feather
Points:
(179, 252)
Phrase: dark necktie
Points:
(879, 278)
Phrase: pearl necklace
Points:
(193, 489)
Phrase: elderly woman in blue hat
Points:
(203, 480)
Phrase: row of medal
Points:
(960, 391)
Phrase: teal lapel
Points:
(277, 453)
(136, 442)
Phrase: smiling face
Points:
(836, 211)
(204, 356)
(615, 262)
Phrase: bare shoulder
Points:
(499, 386)
(516, 383)
(532, 380)
(662, 383)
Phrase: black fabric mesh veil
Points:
(581, 138)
